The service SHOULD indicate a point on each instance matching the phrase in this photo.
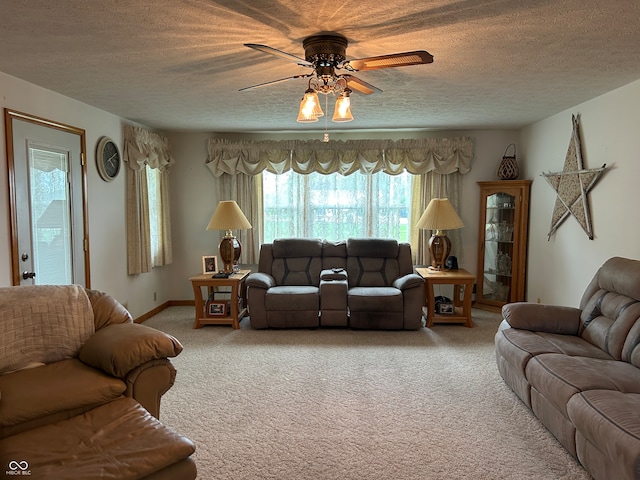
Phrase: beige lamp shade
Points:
(228, 216)
(439, 216)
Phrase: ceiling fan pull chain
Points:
(326, 120)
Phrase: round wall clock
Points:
(107, 159)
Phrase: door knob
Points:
(27, 275)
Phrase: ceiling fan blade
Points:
(273, 82)
(360, 85)
(419, 57)
(279, 53)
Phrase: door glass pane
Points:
(498, 247)
(50, 215)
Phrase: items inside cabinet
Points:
(502, 240)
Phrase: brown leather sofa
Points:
(578, 369)
(364, 283)
(69, 355)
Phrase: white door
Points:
(50, 244)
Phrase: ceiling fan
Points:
(325, 55)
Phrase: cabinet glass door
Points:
(498, 247)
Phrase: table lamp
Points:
(439, 216)
(228, 216)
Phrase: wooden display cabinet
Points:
(502, 253)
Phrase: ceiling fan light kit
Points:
(326, 53)
(310, 108)
(342, 112)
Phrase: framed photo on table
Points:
(209, 264)
(217, 309)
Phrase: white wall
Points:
(193, 197)
(106, 200)
(560, 269)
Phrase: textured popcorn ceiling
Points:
(178, 65)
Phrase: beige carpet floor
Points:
(353, 405)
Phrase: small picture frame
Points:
(446, 308)
(217, 309)
(209, 264)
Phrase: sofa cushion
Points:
(611, 308)
(119, 440)
(334, 254)
(372, 262)
(372, 247)
(609, 421)
(107, 310)
(296, 247)
(41, 324)
(558, 377)
(519, 346)
(294, 297)
(610, 321)
(296, 261)
(69, 387)
(375, 299)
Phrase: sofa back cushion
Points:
(610, 306)
(372, 262)
(41, 324)
(296, 261)
(107, 310)
(334, 254)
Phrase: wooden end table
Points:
(457, 278)
(238, 303)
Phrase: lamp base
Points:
(230, 250)
(439, 248)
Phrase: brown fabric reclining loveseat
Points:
(578, 369)
(364, 283)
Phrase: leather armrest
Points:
(118, 349)
(408, 281)
(260, 280)
(333, 274)
(542, 318)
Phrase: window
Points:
(148, 218)
(336, 207)
(155, 214)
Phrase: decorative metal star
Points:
(572, 186)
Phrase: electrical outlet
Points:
(538, 300)
(155, 297)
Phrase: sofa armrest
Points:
(333, 274)
(147, 383)
(118, 349)
(410, 280)
(260, 280)
(542, 318)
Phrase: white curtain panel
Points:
(143, 148)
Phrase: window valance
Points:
(416, 156)
(142, 147)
